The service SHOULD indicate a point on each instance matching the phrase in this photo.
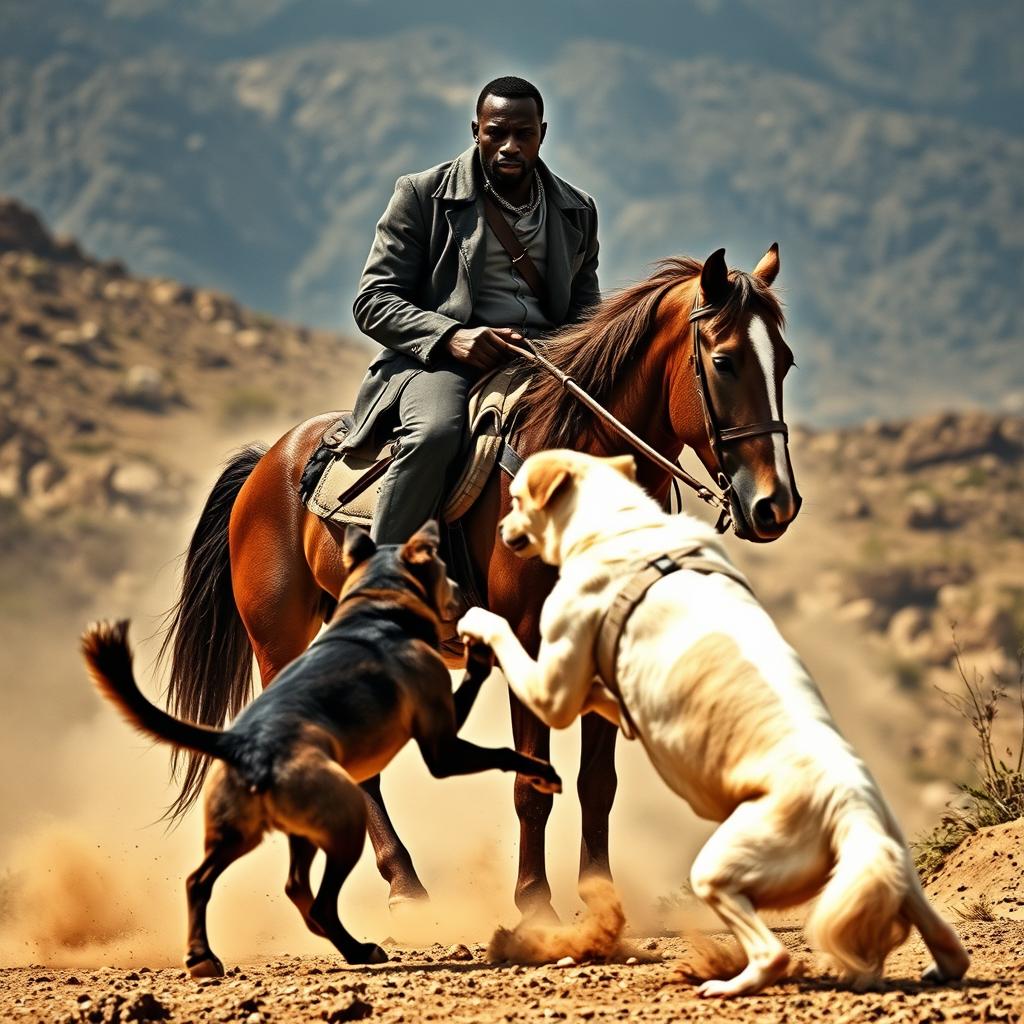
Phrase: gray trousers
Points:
(432, 415)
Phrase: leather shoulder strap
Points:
(613, 624)
(505, 234)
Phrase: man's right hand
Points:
(481, 346)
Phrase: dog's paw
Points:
(716, 989)
(480, 625)
(204, 965)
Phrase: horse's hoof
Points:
(367, 953)
(934, 975)
(399, 901)
(204, 966)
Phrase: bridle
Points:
(717, 436)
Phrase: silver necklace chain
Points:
(527, 208)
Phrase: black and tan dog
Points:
(293, 759)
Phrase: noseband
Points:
(717, 436)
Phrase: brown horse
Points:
(261, 570)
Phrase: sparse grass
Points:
(90, 446)
(975, 476)
(248, 403)
(997, 795)
(979, 910)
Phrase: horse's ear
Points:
(714, 279)
(423, 544)
(768, 268)
(625, 464)
(358, 547)
(546, 481)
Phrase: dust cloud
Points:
(596, 936)
(82, 796)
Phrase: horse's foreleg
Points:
(533, 894)
(394, 861)
(596, 787)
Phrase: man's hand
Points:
(481, 346)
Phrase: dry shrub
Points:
(998, 794)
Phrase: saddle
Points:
(343, 486)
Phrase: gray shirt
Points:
(504, 299)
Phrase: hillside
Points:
(253, 146)
(105, 376)
(909, 545)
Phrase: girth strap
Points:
(613, 622)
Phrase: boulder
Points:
(923, 511)
(862, 610)
(145, 387)
(169, 293)
(135, 481)
(907, 626)
(42, 477)
(40, 355)
(250, 339)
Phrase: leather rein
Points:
(717, 436)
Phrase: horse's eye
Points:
(723, 364)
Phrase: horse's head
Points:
(736, 388)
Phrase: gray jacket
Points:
(425, 266)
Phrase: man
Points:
(440, 292)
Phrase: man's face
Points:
(509, 133)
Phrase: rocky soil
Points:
(458, 985)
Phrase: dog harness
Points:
(642, 578)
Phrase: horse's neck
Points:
(641, 402)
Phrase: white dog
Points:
(728, 715)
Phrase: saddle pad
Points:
(343, 487)
(348, 485)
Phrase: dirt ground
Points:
(429, 984)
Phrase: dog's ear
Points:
(423, 544)
(359, 546)
(546, 481)
(625, 464)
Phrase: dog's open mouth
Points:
(517, 543)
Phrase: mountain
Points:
(251, 146)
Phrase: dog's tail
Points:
(210, 654)
(857, 919)
(106, 651)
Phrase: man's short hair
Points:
(508, 87)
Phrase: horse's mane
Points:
(595, 351)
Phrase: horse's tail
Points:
(210, 652)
